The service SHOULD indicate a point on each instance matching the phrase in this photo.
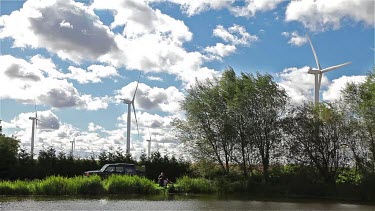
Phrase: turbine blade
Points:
(36, 114)
(136, 87)
(135, 115)
(315, 56)
(335, 67)
(149, 133)
(320, 79)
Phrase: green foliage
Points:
(171, 167)
(359, 101)
(117, 184)
(8, 155)
(195, 185)
(80, 185)
(349, 176)
(234, 120)
(317, 135)
(15, 188)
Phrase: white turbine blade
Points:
(136, 87)
(36, 114)
(316, 57)
(149, 133)
(335, 67)
(135, 115)
(320, 79)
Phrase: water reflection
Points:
(171, 202)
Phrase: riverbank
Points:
(127, 185)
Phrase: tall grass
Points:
(15, 188)
(80, 185)
(117, 184)
(195, 185)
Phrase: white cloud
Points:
(161, 56)
(64, 27)
(194, 7)
(236, 35)
(93, 127)
(295, 38)
(298, 84)
(140, 19)
(148, 98)
(27, 81)
(93, 74)
(220, 50)
(253, 6)
(46, 65)
(162, 36)
(154, 78)
(334, 89)
(47, 120)
(66, 24)
(320, 15)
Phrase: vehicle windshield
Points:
(104, 167)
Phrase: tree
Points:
(1, 129)
(263, 107)
(317, 136)
(208, 130)
(8, 156)
(360, 102)
(228, 118)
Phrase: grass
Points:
(117, 184)
(80, 185)
(95, 185)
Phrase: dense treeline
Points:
(246, 127)
(16, 163)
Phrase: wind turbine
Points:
(318, 73)
(130, 103)
(33, 127)
(1, 128)
(73, 146)
(149, 144)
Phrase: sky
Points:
(72, 61)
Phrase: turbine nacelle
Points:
(313, 71)
(125, 101)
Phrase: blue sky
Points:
(76, 60)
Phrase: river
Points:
(171, 202)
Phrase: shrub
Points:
(195, 185)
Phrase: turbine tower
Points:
(73, 146)
(149, 145)
(318, 73)
(1, 128)
(34, 125)
(130, 103)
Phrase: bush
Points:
(195, 185)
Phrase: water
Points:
(172, 202)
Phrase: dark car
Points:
(116, 168)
